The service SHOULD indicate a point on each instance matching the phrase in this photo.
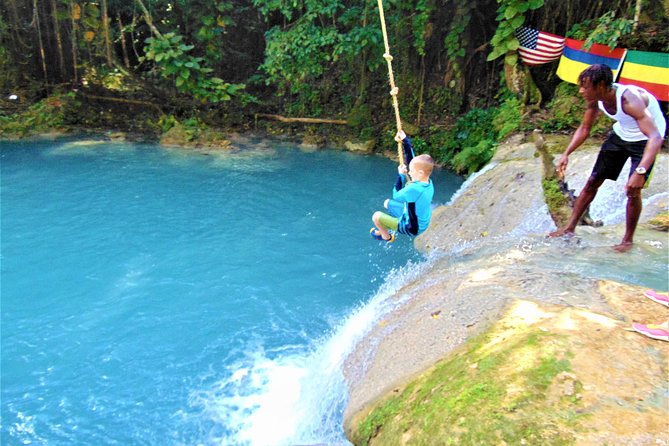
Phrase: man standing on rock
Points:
(637, 134)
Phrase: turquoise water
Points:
(155, 297)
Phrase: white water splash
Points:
(470, 180)
(296, 397)
(610, 202)
(534, 221)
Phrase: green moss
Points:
(481, 395)
(566, 111)
(360, 117)
(557, 203)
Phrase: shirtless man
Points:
(637, 134)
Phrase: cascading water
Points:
(154, 296)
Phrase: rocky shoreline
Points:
(487, 256)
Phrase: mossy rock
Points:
(535, 378)
(486, 393)
(558, 205)
(660, 222)
(182, 136)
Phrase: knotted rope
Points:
(391, 78)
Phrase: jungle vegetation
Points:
(148, 65)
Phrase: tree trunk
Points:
(124, 48)
(303, 120)
(132, 35)
(105, 28)
(36, 25)
(637, 15)
(422, 89)
(75, 14)
(149, 20)
(15, 26)
(519, 81)
(59, 41)
(362, 85)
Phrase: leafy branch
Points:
(607, 30)
(169, 53)
(510, 15)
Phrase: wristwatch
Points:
(640, 170)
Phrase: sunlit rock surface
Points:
(487, 249)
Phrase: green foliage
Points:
(192, 128)
(420, 145)
(213, 26)
(190, 132)
(442, 101)
(509, 117)
(324, 37)
(47, 115)
(190, 74)
(511, 15)
(166, 122)
(566, 111)
(294, 58)
(419, 24)
(342, 42)
(455, 46)
(357, 38)
(606, 30)
(472, 158)
(470, 143)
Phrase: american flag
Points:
(537, 47)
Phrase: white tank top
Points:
(626, 126)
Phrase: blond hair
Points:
(425, 163)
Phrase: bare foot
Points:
(623, 247)
(561, 232)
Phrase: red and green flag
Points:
(647, 70)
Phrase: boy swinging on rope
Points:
(410, 208)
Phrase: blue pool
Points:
(165, 297)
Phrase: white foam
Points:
(470, 180)
(296, 397)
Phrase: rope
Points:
(393, 89)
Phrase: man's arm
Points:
(636, 107)
(580, 135)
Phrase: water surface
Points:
(154, 296)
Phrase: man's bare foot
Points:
(623, 247)
(561, 232)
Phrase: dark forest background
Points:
(151, 65)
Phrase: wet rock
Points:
(362, 147)
(487, 251)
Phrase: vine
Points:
(607, 30)
(511, 15)
(455, 41)
(420, 25)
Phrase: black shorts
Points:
(614, 154)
